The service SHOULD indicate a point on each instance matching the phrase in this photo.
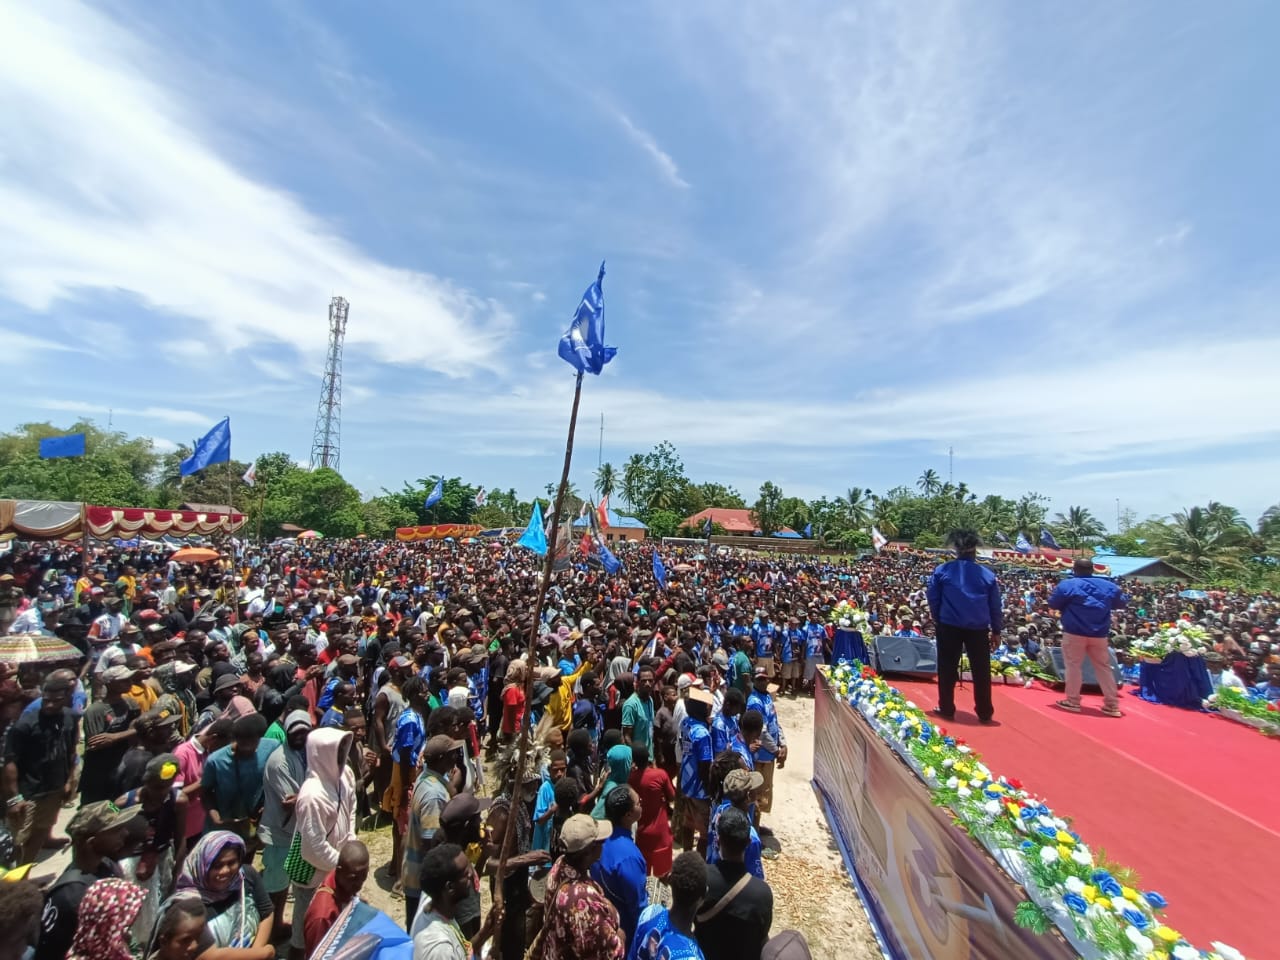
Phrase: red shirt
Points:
(512, 707)
(321, 914)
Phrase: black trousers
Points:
(952, 642)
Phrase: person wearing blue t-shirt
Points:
(695, 766)
(738, 787)
(791, 643)
(762, 637)
(1086, 603)
(815, 648)
(773, 750)
(667, 934)
(725, 724)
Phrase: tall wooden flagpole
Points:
(544, 585)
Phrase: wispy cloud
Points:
(644, 139)
(109, 184)
(93, 409)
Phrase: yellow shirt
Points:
(560, 706)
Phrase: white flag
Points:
(878, 539)
(251, 475)
(480, 497)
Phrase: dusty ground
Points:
(812, 893)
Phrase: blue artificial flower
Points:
(1028, 846)
(1029, 813)
(1156, 901)
(1110, 886)
(1076, 903)
(1047, 832)
(949, 741)
(1137, 918)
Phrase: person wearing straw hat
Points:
(581, 922)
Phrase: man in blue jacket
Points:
(1086, 602)
(964, 600)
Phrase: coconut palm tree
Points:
(1202, 537)
(883, 515)
(1078, 525)
(996, 514)
(929, 483)
(633, 480)
(856, 507)
(606, 479)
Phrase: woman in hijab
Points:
(618, 762)
(325, 815)
(105, 915)
(235, 899)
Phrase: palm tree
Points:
(1201, 538)
(1078, 525)
(996, 515)
(663, 490)
(883, 516)
(929, 483)
(633, 478)
(606, 479)
(856, 507)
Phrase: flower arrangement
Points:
(1182, 637)
(1253, 711)
(1097, 905)
(848, 615)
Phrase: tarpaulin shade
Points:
(104, 522)
(39, 519)
(438, 532)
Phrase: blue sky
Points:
(841, 237)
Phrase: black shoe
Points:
(945, 716)
(986, 721)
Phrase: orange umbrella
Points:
(195, 555)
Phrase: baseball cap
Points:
(158, 717)
(117, 674)
(98, 818)
(399, 663)
(439, 745)
(738, 780)
(760, 672)
(581, 831)
(720, 659)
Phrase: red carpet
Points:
(1186, 799)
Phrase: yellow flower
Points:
(996, 788)
(1064, 851)
(936, 748)
(1103, 902)
(1168, 935)
(1064, 837)
(1130, 894)
(1015, 811)
(1090, 892)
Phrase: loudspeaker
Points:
(914, 655)
(1057, 665)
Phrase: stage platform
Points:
(1187, 799)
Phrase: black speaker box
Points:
(913, 655)
(1056, 665)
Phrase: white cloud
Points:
(162, 445)
(645, 141)
(88, 409)
(107, 182)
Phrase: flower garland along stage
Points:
(1256, 712)
(1100, 914)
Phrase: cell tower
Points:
(325, 445)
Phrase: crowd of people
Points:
(230, 729)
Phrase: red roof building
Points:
(733, 521)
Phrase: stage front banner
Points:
(933, 892)
(438, 531)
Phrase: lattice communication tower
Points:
(325, 444)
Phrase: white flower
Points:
(964, 792)
(929, 773)
(1082, 856)
(949, 762)
(1120, 905)
(964, 749)
(1075, 885)
(952, 783)
(1047, 822)
(1184, 951)
(992, 807)
(844, 621)
(910, 705)
(1140, 940)
(1049, 854)
(1226, 952)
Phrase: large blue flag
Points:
(1024, 545)
(535, 535)
(213, 447)
(659, 571)
(611, 563)
(435, 496)
(72, 445)
(1046, 539)
(583, 345)
(808, 529)
(706, 527)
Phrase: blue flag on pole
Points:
(611, 563)
(435, 496)
(1046, 539)
(808, 530)
(72, 445)
(659, 571)
(582, 347)
(706, 527)
(1104, 551)
(1001, 538)
(213, 447)
(1024, 545)
(535, 535)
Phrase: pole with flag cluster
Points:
(584, 349)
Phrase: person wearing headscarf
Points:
(236, 902)
(618, 762)
(106, 913)
(325, 814)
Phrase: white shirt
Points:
(437, 938)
